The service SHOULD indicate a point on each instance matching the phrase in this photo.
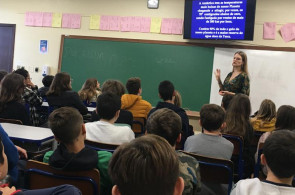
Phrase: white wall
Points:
(28, 38)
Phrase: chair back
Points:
(256, 137)
(138, 125)
(215, 170)
(41, 175)
(99, 146)
(13, 121)
(89, 104)
(237, 156)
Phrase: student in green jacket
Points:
(68, 128)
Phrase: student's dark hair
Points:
(166, 90)
(60, 83)
(107, 105)
(165, 123)
(2, 74)
(280, 154)
(113, 86)
(22, 71)
(147, 165)
(65, 123)
(237, 115)
(211, 116)
(1, 151)
(285, 117)
(226, 101)
(133, 85)
(47, 80)
(12, 87)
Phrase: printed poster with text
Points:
(215, 19)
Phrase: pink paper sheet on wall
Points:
(104, 23)
(47, 19)
(269, 30)
(114, 23)
(288, 32)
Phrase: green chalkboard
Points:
(189, 67)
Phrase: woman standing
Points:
(236, 81)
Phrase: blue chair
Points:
(99, 146)
(41, 175)
(237, 156)
(215, 170)
(89, 104)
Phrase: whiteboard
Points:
(272, 75)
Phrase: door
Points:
(7, 34)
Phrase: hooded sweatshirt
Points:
(86, 159)
(136, 105)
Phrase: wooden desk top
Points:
(27, 133)
(90, 109)
(193, 114)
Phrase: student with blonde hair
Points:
(90, 90)
(266, 117)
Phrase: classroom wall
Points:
(27, 38)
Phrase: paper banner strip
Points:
(156, 25)
(34, 19)
(172, 26)
(71, 20)
(56, 20)
(94, 22)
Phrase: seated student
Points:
(60, 93)
(5, 190)
(284, 120)
(68, 128)
(13, 154)
(210, 142)
(237, 120)
(177, 100)
(279, 158)
(226, 99)
(90, 90)
(167, 124)
(47, 80)
(266, 117)
(147, 165)
(108, 108)
(11, 104)
(117, 88)
(2, 74)
(166, 92)
(31, 96)
(133, 101)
